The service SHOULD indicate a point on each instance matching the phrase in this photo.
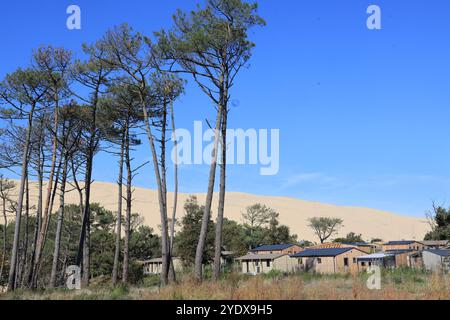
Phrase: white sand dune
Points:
(370, 223)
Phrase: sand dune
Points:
(370, 223)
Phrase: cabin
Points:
(380, 259)
(436, 260)
(265, 262)
(154, 266)
(366, 247)
(403, 257)
(277, 249)
(328, 260)
(403, 245)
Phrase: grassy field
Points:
(396, 284)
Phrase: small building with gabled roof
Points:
(265, 262)
(154, 266)
(436, 260)
(277, 248)
(403, 245)
(403, 256)
(329, 260)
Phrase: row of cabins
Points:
(331, 258)
(347, 258)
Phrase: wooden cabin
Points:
(436, 260)
(154, 266)
(265, 262)
(277, 249)
(403, 245)
(403, 257)
(328, 260)
(380, 259)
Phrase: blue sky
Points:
(363, 115)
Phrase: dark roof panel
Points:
(272, 247)
(327, 252)
(361, 244)
(440, 252)
(401, 242)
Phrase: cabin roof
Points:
(374, 256)
(326, 252)
(272, 247)
(435, 242)
(439, 252)
(268, 256)
(399, 251)
(400, 242)
(360, 244)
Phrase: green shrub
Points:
(274, 274)
(151, 281)
(120, 292)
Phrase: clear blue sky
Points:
(363, 115)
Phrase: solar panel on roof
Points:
(273, 247)
(327, 252)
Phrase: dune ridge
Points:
(371, 223)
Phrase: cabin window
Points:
(268, 263)
(354, 260)
(370, 264)
(319, 260)
(363, 264)
(345, 262)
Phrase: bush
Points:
(135, 272)
(120, 292)
(151, 281)
(274, 274)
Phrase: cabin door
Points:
(346, 264)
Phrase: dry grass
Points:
(396, 286)
(298, 288)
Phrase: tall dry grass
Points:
(398, 285)
(312, 288)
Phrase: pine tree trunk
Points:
(5, 236)
(129, 195)
(164, 188)
(219, 223)
(23, 261)
(172, 274)
(45, 226)
(37, 224)
(119, 212)
(198, 267)
(14, 251)
(47, 209)
(162, 206)
(59, 225)
(83, 256)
